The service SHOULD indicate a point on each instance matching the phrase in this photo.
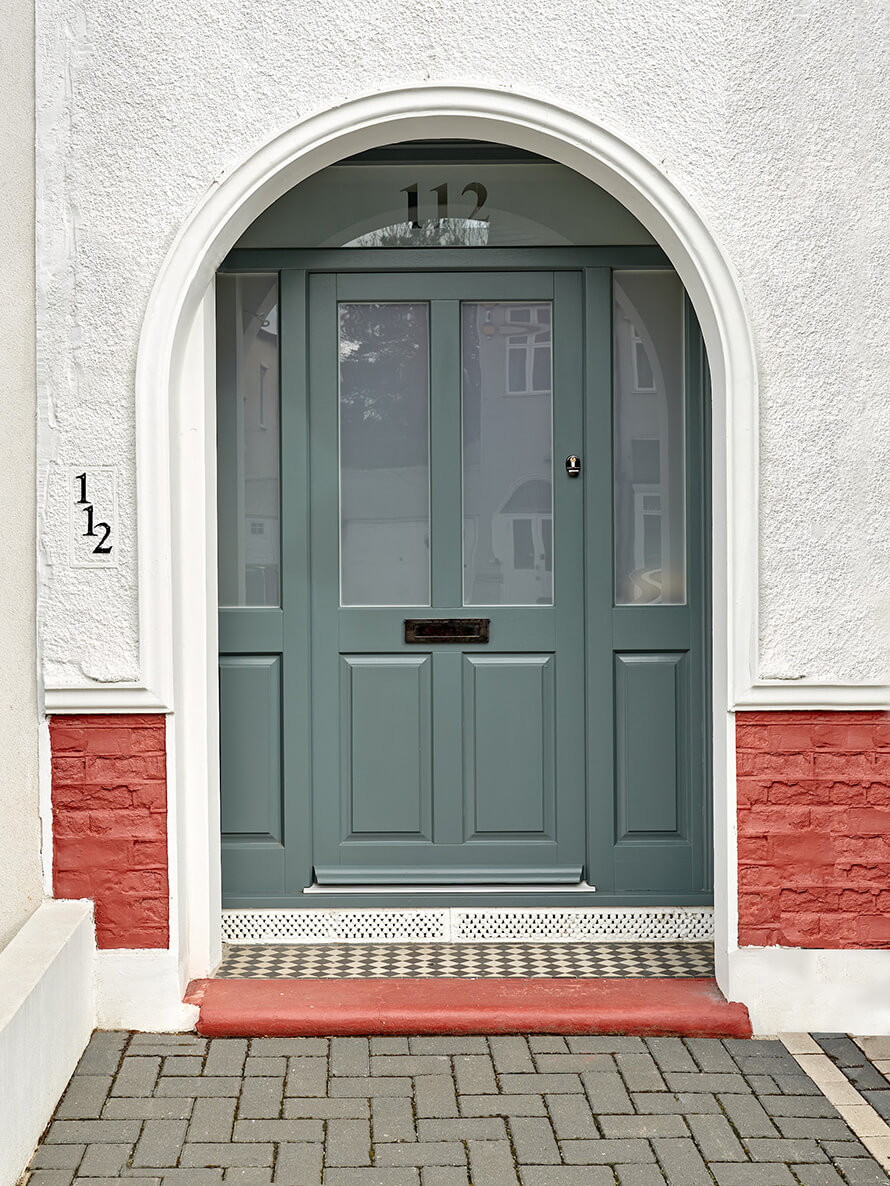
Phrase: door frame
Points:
(176, 478)
(300, 264)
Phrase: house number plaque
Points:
(93, 516)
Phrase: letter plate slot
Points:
(458, 630)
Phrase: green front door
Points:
(441, 409)
(447, 659)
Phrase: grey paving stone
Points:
(715, 1139)
(261, 1098)
(606, 1092)
(212, 1120)
(491, 1163)
(370, 1086)
(511, 1055)
(662, 1103)
(711, 1055)
(84, 1098)
(771, 1065)
(384, 1176)
(184, 1064)
(143, 1181)
(748, 1116)
(533, 1140)
(225, 1056)
(160, 1142)
(172, 1108)
(307, 1076)
(103, 1053)
(639, 1175)
(796, 1084)
(841, 1049)
(183, 1177)
(862, 1172)
(640, 1072)
(254, 1175)
(421, 1153)
(753, 1047)
(443, 1045)
(51, 1178)
(828, 1130)
(350, 1056)
(325, 1109)
(605, 1044)
(603, 1151)
(170, 1042)
(745, 1174)
(561, 1063)
(706, 1081)
(137, 1076)
(434, 1096)
(529, 1084)
(443, 1175)
(464, 1128)
(410, 1064)
(880, 1101)
(299, 1165)
(58, 1157)
(289, 1047)
(262, 1065)
(817, 1175)
(681, 1162)
(348, 1143)
(392, 1119)
(670, 1054)
(278, 1130)
(502, 1105)
(105, 1161)
(763, 1085)
(780, 1149)
(839, 1149)
(571, 1117)
(547, 1044)
(474, 1074)
(198, 1085)
(647, 1126)
(799, 1106)
(226, 1154)
(85, 1132)
(396, 1045)
(564, 1175)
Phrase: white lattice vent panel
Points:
(336, 926)
(468, 925)
(580, 925)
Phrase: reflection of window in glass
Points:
(248, 439)
(528, 353)
(650, 508)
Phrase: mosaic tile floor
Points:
(336, 961)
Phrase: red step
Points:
(302, 1008)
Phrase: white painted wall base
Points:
(791, 989)
(47, 1013)
(141, 990)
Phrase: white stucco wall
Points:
(772, 119)
(20, 878)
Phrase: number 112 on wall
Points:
(93, 516)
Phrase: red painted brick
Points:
(760, 764)
(849, 737)
(110, 824)
(844, 764)
(869, 821)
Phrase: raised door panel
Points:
(509, 758)
(386, 738)
(250, 746)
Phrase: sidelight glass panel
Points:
(650, 474)
(248, 440)
(384, 454)
(507, 453)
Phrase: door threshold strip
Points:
(481, 887)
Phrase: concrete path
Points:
(440, 1111)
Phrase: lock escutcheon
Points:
(573, 465)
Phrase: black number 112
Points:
(101, 549)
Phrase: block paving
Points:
(445, 1111)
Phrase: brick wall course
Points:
(109, 796)
(813, 799)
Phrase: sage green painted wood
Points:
(442, 259)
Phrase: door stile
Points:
(599, 550)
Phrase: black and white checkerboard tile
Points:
(359, 961)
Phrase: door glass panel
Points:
(507, 453)
(248, 440)
(384, 454)
(650, 478)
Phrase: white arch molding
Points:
(176, 496)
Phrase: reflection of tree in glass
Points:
(384, 381)
(449, 232)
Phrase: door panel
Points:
(509, 771)
(386, 733)
(250, 732)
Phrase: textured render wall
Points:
(20, 876)
(814, 829)
(771, 118)
(109, 795)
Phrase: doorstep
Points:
(685, 1007)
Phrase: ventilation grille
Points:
(462, 925)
